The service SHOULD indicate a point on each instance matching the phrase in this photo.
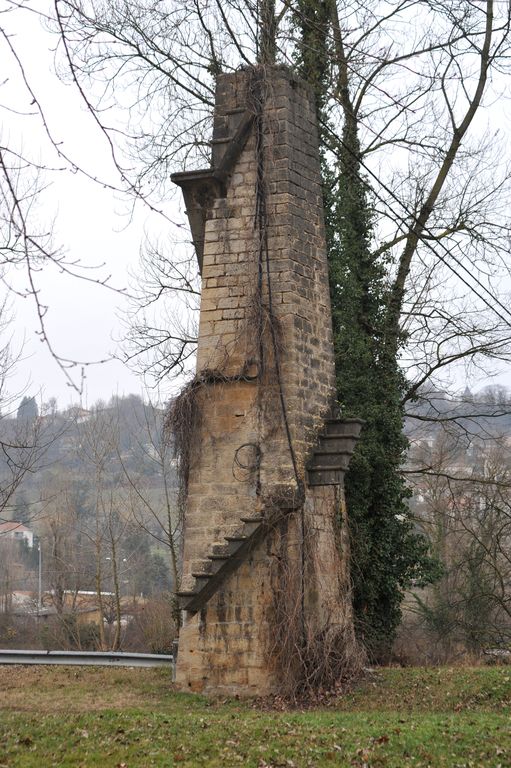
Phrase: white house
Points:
(16, 531)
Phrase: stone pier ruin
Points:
(265, 592)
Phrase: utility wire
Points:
(411, 214)
(430, 233)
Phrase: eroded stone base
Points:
(295, 581)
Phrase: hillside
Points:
(96, 488)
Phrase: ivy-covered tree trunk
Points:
(267, 47)
(386, 552)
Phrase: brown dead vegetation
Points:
(51, 690)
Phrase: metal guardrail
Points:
(87, 658)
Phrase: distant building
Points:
(17, 532)
(78, 414)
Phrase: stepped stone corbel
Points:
(201, 188)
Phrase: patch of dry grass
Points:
(54, 689)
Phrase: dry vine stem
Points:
(308, 661)
(184, 414)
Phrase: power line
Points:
(430, 233)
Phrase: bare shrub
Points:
(153, 627)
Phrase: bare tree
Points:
(145, 72)
(128, 485)
(97, 447)
(462, 495)
(408, 101)
(27, 242)
(24, 443)
(155, 510)
(161, 323)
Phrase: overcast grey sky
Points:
(93, 225)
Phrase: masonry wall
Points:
(241, 450)
(233, 645)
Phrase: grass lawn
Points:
(120, 718)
